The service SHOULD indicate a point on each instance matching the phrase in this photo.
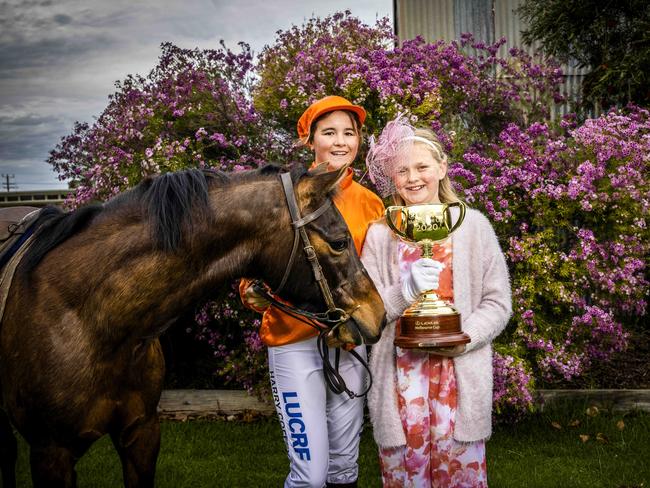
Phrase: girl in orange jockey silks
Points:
(321, 428)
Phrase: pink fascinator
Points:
(385, 153)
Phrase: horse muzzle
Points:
(356, 330)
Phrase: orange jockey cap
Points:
(323, 106)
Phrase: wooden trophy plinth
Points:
(429, 323)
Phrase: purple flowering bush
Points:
(232, 332)
(193, 110)
(438, 83)
(305, 63)
(570, 206)
(512, 386)
(569, 202)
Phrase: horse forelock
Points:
(296, 170)
(269, 169)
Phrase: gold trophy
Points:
(430, 321)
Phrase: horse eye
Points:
(340, 245)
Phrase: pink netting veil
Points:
(385, 153)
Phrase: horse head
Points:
(352, 290)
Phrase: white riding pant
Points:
(321, 429)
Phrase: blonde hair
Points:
(430, 141)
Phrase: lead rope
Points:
(333, 378)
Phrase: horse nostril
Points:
(375, 338)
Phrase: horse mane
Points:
(52, 227)
(174, 203)
(297, 170)
(168, 202)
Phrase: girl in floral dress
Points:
(431, 409)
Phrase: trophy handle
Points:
(388, 213)
(461, 217)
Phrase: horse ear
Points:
(319, 182)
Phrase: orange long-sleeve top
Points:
(359, 208)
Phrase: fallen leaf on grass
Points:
(602, 438)
(574, 423)
(555, 425)
(584, 437)
(620, 425)
(592, 411)
(249, 416)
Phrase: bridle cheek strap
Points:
(299, 224)
(325, 322)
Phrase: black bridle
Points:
(324, 322)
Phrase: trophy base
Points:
(429, 325)
(406, 342)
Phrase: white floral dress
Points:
(428, 399)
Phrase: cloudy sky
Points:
(59, 59)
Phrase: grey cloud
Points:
(62, 19)
(34, 35)
(76, 20)
(29, 141)
(59, 59)
(22, 120)
(45, 53)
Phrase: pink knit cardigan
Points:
(481, 295)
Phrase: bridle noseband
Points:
(324, 322)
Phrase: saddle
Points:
(15, 237)
(12, 215)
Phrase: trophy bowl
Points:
(431, 321)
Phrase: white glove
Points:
(425, 275)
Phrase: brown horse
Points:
(79, 350)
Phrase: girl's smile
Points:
(336, 140)
(417, 179)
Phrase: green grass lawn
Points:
(543, 451)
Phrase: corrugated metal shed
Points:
(432, 20)
(475, 16)
(487, 20)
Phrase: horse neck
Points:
(251, 223)
(240, 227)
(238, 238)
(123, 285)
